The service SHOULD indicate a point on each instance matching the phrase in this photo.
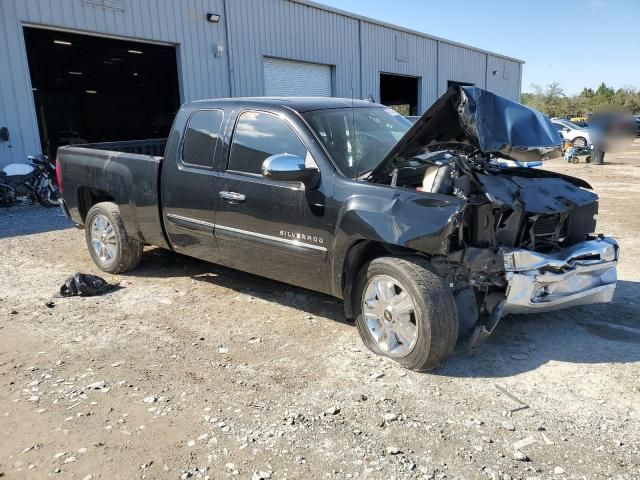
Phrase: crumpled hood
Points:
(487, 122)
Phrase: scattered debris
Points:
(525, 442)
(390, 417)
(518, 455)
(521, 404)
(261, 475)
(546, 439)
(332, 410)
(101, 386)
(508, 425)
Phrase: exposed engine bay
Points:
(525, 239)
(505, 208)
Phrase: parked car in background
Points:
(581, 121)
(637, 117)
(579, 136)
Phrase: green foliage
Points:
(553, 101)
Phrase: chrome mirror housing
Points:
(290, 168)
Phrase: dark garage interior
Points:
(95, 89)
(400, 92)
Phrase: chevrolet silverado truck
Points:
(411, 225)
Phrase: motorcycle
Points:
(33, 181)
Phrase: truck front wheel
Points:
(405, 312)
(110, 247)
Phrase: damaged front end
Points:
(525, 240)
(581, 274)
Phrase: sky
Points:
(578, 43)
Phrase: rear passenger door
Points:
(271, 228)
(188, 186)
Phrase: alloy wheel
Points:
(390, 316)
(103, 238)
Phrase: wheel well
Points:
(88, 197)
(358, 254)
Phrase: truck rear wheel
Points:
(111, 249)
(405, 312)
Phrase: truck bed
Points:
(127, 173)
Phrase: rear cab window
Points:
(257, 136)
(201, 138)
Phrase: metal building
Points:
(98, 70)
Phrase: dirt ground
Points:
(196, 371)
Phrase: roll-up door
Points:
(290, 78)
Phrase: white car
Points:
(579, 136)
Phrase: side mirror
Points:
(565, 129)
(289, 168)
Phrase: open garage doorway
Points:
(94, 89)
(400, 92)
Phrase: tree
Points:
(553, 101)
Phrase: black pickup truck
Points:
(414, 226)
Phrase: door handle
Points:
(232, 196)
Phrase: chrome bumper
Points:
(581, 274)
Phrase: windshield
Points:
(571, 125)
(358, 139)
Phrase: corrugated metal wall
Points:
(460, 64)
(201, 74)
(293, 31)
(504, 77)
(356, 48)
(379, 54)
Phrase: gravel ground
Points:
(192, 371)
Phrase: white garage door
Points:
(289, 78)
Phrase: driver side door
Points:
(274, 229)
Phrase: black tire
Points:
(48, 197)
(579, 142)
(127, 251)
(575, 160)
(588, 159)
(436, 317)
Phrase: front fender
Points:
(394, 216)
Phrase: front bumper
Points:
(581, 274)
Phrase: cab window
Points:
(259, 135)
(201, 138)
